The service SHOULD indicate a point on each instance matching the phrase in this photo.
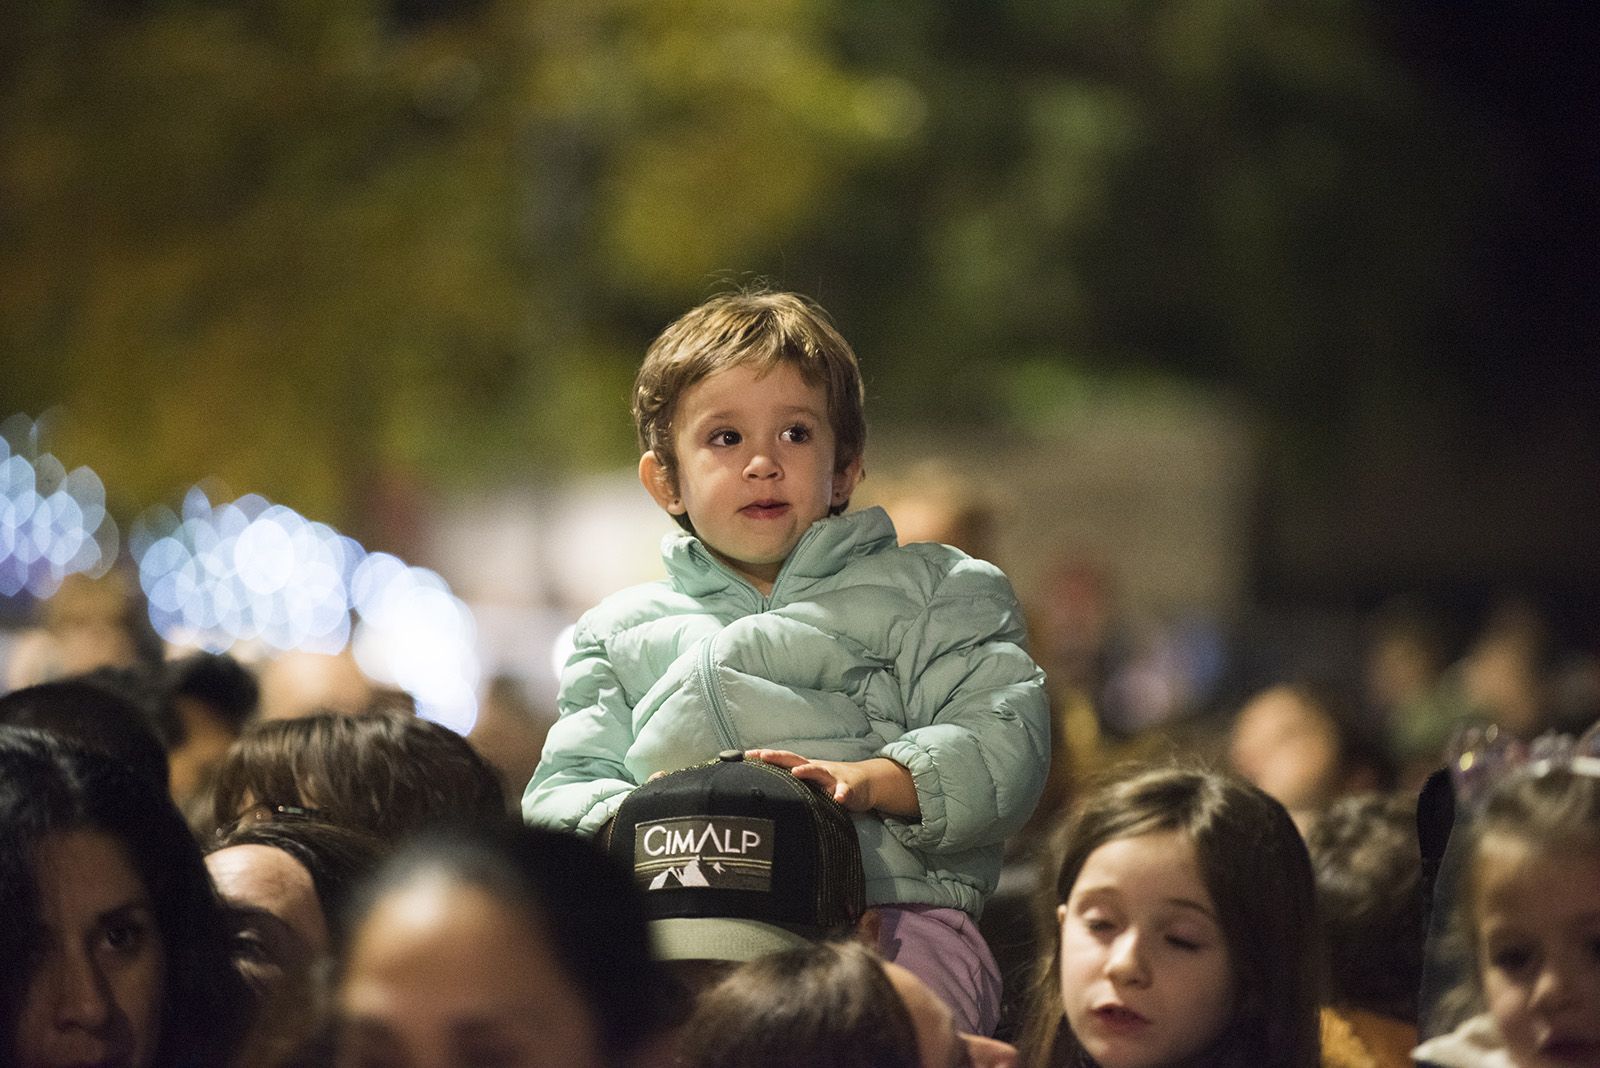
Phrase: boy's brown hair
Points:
(756, 328)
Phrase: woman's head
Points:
(525, 943)
(288, 884)
(1531, 914)
(1181, 896)
(388, 774)
(114, 946)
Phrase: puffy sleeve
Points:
(581, 778)
(977, 742)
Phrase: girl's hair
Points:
(1256, 870)
(50, 786)
(384, 773)
(753, 328)
(826, 1005)
(1558, 810)
(576, 899)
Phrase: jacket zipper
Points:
(719, 711)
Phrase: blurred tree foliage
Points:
(307, 247)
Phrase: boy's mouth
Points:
(765, 509)
(1570, 1049)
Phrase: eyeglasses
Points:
(266, 811)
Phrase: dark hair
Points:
(221, 683)
(825, 1005)
(51, 786)
(1369, 897)
(1258, 874)
(386, 773)
(337, 858)
(93, 711)
(760, 329)
(584, 906)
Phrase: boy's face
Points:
(755, 466)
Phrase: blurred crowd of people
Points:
(221, 863)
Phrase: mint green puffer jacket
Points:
(863, 649)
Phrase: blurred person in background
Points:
(88, 623)
(506, 945)
(1504, 675)
(932, 502)
(1303, 744)
(510, 733)
(212, 696)
(1367, 861)
(300, 683)
(388, 774)
(113, 949)
(1404, 660)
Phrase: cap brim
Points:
(719, 938)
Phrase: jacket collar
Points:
(823, 550)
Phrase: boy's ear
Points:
(657, 480)
(844, 482)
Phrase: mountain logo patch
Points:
(721, 852)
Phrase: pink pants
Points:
(944, 949)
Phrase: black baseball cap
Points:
(736, 858)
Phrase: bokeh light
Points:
(53, 522)
(249, 571)
(254, 572)
(414, 634)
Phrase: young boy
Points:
(892, 676)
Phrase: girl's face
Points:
(1537, 928)
(443, 974)
(96, 994)
(1146, 977)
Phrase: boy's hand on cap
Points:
(858, 785)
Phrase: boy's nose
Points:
(761, 466)
(1553, 988)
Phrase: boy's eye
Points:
(1188, 945)
(726, 437)
(1511, 959)
(798, 434)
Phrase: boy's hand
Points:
(858, 785)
